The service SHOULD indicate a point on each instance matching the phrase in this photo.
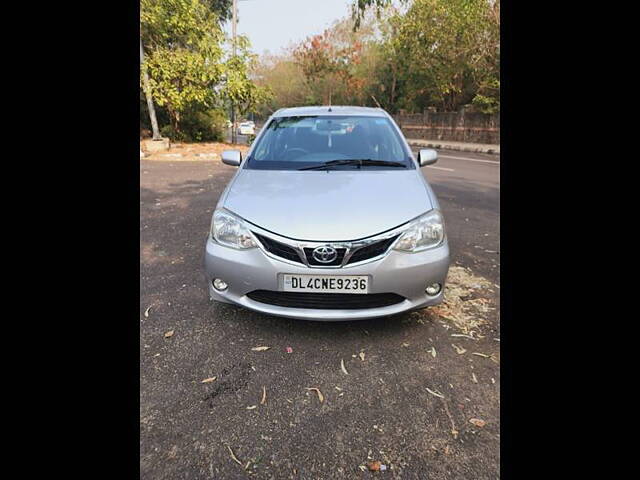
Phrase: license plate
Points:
(326, 283)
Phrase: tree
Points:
(191, 77)
(424, 53)
(185, 57)
(182, 80)
(359, 9)
(453, 51)
(340, 66)
(328, 66)
(285, 79)
(238, 88)
(223, 8)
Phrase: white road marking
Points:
(441, 168)
(469, 159)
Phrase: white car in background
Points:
(247, 128)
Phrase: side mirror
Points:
(232, 157)
(427, 156)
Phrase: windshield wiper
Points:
(355, 161)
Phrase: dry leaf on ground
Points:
(463, 335)
(208, 380)
(168, 334)
(235, 459)
(317, 390)
(454, 430)
(464, 313)
(460, 350)
(435, 393)
(343, 367)
(477, 422)
(260, 349)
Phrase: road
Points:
(408, 403)
(468, 188)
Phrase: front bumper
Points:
(406, 274)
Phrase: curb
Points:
(492, 149)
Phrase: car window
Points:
(290, 143)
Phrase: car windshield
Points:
(294, 143)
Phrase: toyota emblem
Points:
(325, 254)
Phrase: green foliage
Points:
(223, 8)
(487, 100)
(286, 83)
(454, 49)
(337, 64)
(180, 79)
(191, 74)
(184, 54)
(238, 88)
(326, 66)
(427, 53)
(198, 126)
(179, 24)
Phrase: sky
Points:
(275, 24)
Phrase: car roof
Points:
(330, 110)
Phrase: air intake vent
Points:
(279, 249)
(287, 252)
(371, 251)
(325, 301)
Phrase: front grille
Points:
(326, 301)
(336, 263)
(287, 252)
(279, 249)
(371, 251)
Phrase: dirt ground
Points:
(193, 151)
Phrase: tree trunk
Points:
(174, 118)
(147, 94)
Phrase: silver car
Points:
(328, 218)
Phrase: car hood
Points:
(337, 205)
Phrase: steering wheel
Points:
(296, 149)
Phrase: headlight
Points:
(424, 232)
(230, 231)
